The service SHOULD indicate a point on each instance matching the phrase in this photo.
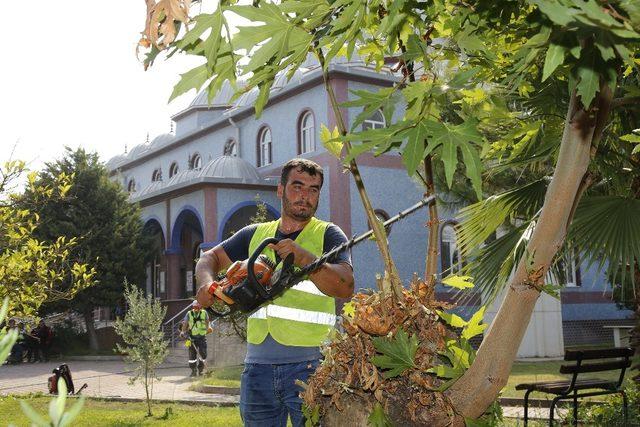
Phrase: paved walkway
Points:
(107, 379)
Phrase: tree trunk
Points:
(431, 264)
(91, 329)
(488, 374)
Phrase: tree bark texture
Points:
(91, 330)
(488, 374)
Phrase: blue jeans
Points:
(269, 395)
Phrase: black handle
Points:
(251, 274)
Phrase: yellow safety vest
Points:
(197, 323)
(302, 316)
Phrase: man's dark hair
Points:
(302, 165)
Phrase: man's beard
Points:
(290, 209)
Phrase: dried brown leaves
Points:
(162, 16)
(348, 373)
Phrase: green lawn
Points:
(522, 372)
(98, 413)
(223, 377)
(527, 372)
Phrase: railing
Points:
(170, 329)
(171, 332)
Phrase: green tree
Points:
(141, 330)
(485, 84)
(108, 230)
(32, 270)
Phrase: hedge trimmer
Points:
(251, 283)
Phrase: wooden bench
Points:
(611, 359)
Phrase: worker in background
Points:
(196, 327)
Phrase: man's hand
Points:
(284, 247)
(203, 296)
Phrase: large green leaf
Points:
(452, 137)
(606, 230)
(414, 151)
(192, 79)
(555, 11)
(378, 418)
(554, 58)
(452, 319)
(588, 85)
(397, 354)
(458, 282)
(474, 325)
(384, 99)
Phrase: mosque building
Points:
(198, 185)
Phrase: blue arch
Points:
(273, 211)
(179, 223)
(154, 218)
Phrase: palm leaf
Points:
(480, 220)
(606, 229)
(493, 263)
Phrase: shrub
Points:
(609, 412)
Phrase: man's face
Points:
(300, 195)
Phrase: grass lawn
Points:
(522, 372)
(527, 372)
(223, 377)
(96, 413)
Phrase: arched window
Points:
(173, 169)
(195, 162)
(567, 270)
(156, 175)
(376, 121)
(451, 262)
(383, 216)
(230, 148)
(131, 186)
(264, 147)
(306, 133)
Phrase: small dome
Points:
(230, 167)
(222, 98)
(161, 140)
(247, 98)
(281, 79)
(183, 176)
(138, 151)
(115, 161)
(154, 186)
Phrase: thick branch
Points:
(391, 272)
(480, 385)
(431, 267)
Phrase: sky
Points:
(69, 76)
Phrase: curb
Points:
(91, 358)
(215, 389)
(168, 401)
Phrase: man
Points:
(44, 335)
(284, 337)
(196, 327)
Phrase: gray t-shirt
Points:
(270, 351)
